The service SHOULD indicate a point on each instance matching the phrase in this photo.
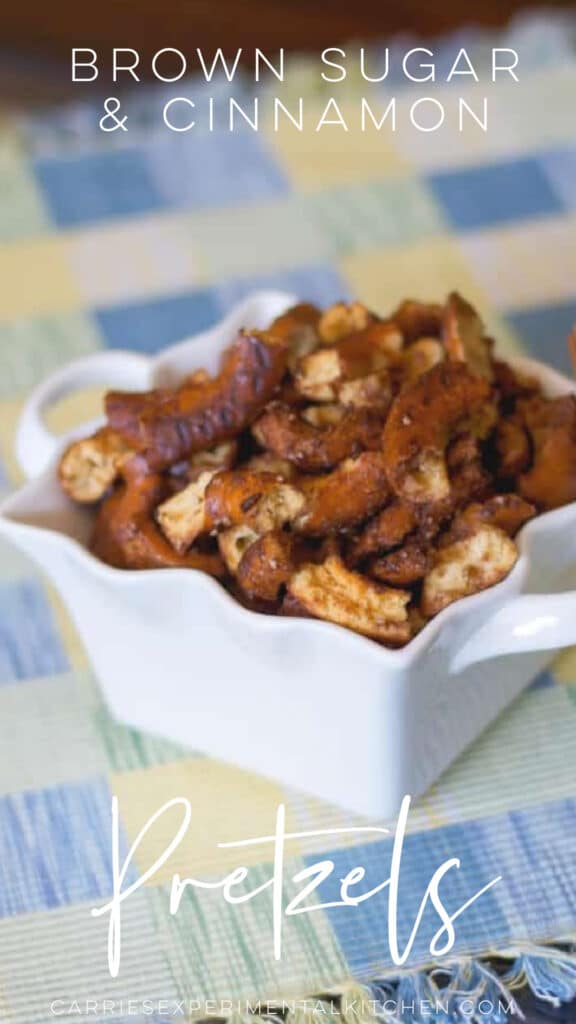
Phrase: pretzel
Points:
(267, 462)
(513, 451)
(89, 467)
(387, 530)
(509, 512)
(222, 456)
(319, 375)
(418, 320)
(372, 391)
(551, 481)
(464, 338)
(344, 498)
(468, 478)
(182, 517)
(469, 481)
(423, 419)
(396, 522)
(421, 357)
(259, 500)
(266, 566)
(171, 424)
(390, 528)
(332, 592)
(125, 534)
(323, 415)
(341, 319)
(286, 433)
(233, 542)
(467, 566)
(298, 327)
(403, 567)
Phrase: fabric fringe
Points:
(471, 991)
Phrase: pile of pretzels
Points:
(363, 470)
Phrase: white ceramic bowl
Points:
(306, 702)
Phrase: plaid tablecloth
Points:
(133, 241)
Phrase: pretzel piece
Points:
(222, 456)
(418, 320)
(466, 567)
(464, 338)
(551, 482)
(267, 462)
(423, 419)
(234, 542)
(171, 424)
(312, 449)
(182, 518)
(371, 392)
(89, 467)
(342, 319)
(403, 567)
(266, 566)
(319, 375)
(509, 512)
(387, 530)
(512, 446)
(259, 500)
(469, 480)
(298, 327)
(332, 592)
(125, 534)
(420, 357)
(344, 498)
(323, 415)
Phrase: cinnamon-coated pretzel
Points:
(169, 424)
(125, 533)
(363, 470)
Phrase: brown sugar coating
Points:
(170, 424)
(313, 448)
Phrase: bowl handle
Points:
(530, 622)
(34, 444)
